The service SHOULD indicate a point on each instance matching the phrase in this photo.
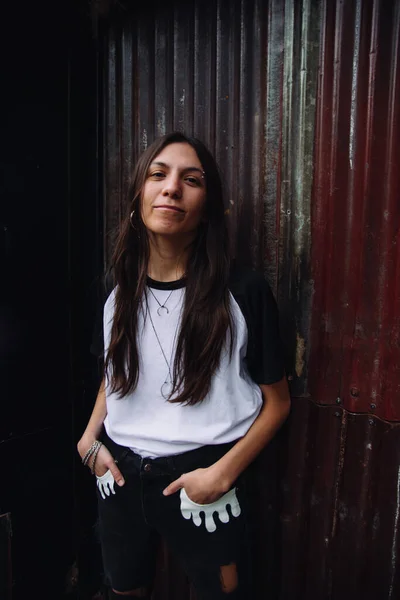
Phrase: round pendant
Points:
(166, 389)
(162, 310)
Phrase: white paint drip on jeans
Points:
(105, 483)
(191, 510)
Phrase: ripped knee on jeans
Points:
(229, 578)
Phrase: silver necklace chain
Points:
(161, 307)
(166, 387)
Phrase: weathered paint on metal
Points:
(301, 43)
(300, 102)
(355, 350)
(341, 504)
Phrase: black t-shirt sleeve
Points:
(264, 355)
(97, 344)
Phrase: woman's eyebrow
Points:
(162, 164)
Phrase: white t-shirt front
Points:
(144, 420)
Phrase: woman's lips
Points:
(169, 208)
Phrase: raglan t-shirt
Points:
(144, 420)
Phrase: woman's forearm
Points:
(96, 420)
(207, 485)
(103, 459)
(274, 412)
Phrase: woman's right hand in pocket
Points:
(104, 462)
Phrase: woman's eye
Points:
(157, 174)
(192, 180)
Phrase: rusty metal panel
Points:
(341, 506)
(356, 210)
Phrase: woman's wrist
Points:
(86, 441)
(222, 476)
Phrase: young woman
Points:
(194, 384)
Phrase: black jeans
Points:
(204, 537)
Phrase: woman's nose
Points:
(172, 187)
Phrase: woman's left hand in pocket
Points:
(203, 486)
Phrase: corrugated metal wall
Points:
(300, 102)
(356, 209)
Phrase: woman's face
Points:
(174, 193)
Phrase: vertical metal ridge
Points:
(339, 469)
(287, 117)
(227, 103)
(390, 225)
(232, 134)
(248, 139)
(309, 52)
(145, 81)
(272, 132)
(352, 231)
(204, 72)
(354, 226)
(329, 298)
(395, 542)
(163, 75)
(295, 498)
(218, 63)
(321, 201)
(127, 109)
(395, 180)
(365, 153)
(300, 62)
(257, 37)
(113, 168)
(285, 291)
(338, 187)
(183, 66)
(302, 163)
(385, 523)
(205, 69)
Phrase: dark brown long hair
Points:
(206, 324)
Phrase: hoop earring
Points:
(130, 219)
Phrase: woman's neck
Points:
(168, 257)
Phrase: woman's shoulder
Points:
(243, 280)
